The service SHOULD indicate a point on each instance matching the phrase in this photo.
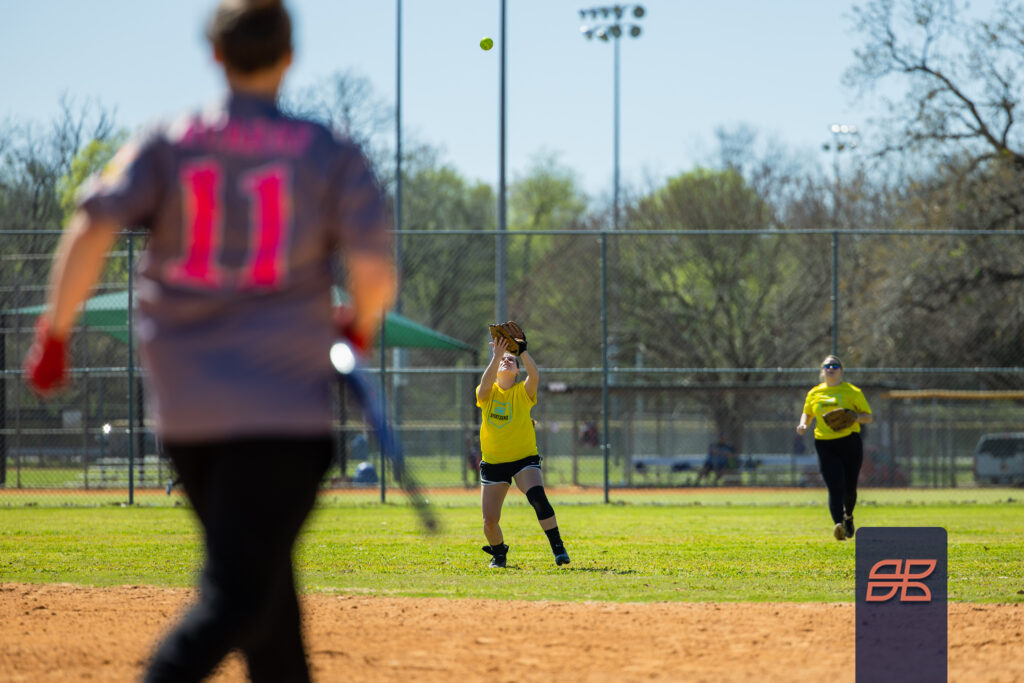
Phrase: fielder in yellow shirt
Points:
(508, 446)
(840, 453)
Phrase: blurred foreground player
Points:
(247, 210)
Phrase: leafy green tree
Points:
(546, 197)
(89, 160)
(447, 280)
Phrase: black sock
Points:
(555, 540)
(499, 549)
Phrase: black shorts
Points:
(502, 472)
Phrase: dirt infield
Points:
(71, 633)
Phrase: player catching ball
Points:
(839, 409)
(508, 441)
(248, 211)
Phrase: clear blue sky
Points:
(698, 65)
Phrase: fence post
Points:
(131, 373)
(3, 401)
(605, 437)
(17, 403)
(84, 341)
(383, 407)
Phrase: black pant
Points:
(840, 461)
(252, 497)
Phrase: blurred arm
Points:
(372, 283)
(805, 421)
(77, 265)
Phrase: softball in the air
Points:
(486, 44)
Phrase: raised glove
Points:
(46, 364)
(512, 333)
(840, 419)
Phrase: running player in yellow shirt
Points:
(508, 445)
(840, 453)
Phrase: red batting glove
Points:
(46, 364)
(344, 317)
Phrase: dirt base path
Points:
(71, 633)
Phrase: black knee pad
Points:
(539, 500)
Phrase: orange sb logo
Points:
(901, 579)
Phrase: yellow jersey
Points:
(506, 429)
(823, 398)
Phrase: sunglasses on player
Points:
(832, 366)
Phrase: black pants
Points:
(840, 461)
(252, 498)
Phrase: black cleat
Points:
(498, 555)
(848, 526)
(562, 558)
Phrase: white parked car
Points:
(999, 458)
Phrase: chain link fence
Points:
(652, 345)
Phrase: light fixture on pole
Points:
(845, 138)
(613, 22)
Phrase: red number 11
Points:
(268, 189)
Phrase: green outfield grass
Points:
(709, 545)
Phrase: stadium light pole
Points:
(398, 144)
(501, 302)
(844, 138)
(613, 22)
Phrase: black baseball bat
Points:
(344, 360)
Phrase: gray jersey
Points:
(247, 209)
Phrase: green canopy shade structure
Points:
(110, 311)
(401, 332)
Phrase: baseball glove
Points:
(840, 419)
(512, 333)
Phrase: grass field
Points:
(706, 545)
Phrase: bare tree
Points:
(347, 103)
(959, 81)
(961, 78)
(33, 159)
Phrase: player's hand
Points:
(46, 364)
(800, 429)
(499, 346)
(344, 323)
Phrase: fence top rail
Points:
(468, 369)
(627, 232)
